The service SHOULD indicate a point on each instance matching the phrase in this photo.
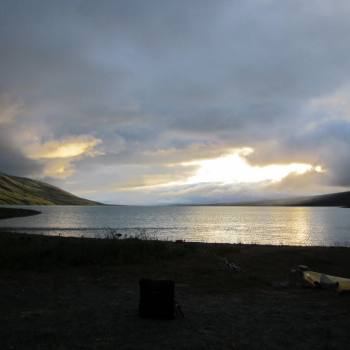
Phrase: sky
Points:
(187, 101)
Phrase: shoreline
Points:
(104, 250)
(28, 232)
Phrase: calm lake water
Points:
(262, 225)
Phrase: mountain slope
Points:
(340, 199)
(20, 190)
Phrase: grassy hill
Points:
(20, 190)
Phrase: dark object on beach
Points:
(296, 276)
(231, 266)
(157, 299)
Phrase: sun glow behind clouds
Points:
(229, 169)
(234, 169)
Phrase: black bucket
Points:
(157, 299)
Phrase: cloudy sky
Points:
(157, 101)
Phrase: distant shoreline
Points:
(7, 213)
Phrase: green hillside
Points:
(20, 190)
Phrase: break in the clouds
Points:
(109, 99)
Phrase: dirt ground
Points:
(95, 306)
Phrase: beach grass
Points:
(260, 264)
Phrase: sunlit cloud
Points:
(58, 168)
(319, 169)
(58, 156)
(228, 169)
(234, 169)
(67, 148)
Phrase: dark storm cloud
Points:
(13, 161)
(330, 143)
(150, 76)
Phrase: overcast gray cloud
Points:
(137, 87)
(13, 161)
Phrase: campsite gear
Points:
(296, 278)
(316, 279)
(157, 299)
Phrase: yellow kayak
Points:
(316, 279)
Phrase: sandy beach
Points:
(68, 293)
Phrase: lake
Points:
(261, 225)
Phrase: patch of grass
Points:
(30, 251)
(200, 265)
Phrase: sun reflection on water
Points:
(298, 220)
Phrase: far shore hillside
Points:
(25, 191)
